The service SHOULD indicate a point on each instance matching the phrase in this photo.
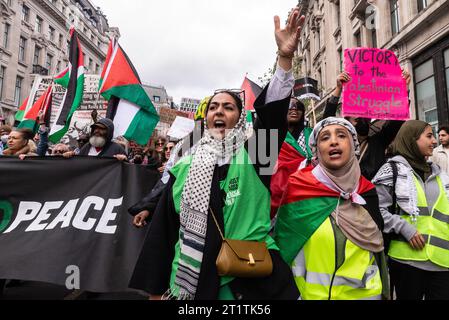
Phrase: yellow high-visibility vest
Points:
(318, 278)
(433, 225)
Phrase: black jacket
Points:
(154, 267)
(111, 148)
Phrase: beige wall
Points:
(93, 42)
(418, 31)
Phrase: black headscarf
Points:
(406, 145)
(301, 125)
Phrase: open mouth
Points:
(219, 124)
(335, 154)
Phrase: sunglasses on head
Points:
(238, 92)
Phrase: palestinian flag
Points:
(63, 78)
(289, 160)
(22, 109)
(43, 103)
(252, 91)
(306, 204)
(74, 94)
(130, 107)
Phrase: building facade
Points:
(34, 40)
(416, 30)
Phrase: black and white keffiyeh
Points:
(313, 140)
(195, 205)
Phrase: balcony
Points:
(359, 9)
(53, 11)
(40, 70)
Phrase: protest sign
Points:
(377, 89)
(181, 127)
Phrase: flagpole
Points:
(313, 112)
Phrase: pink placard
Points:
(377, 89)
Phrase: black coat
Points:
(154, 267)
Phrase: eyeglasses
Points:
(168, 148)
(293, 106)
(58, 152)
(238, 92)
(161, 144)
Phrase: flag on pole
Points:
(22, 109)
(63, 78)
(252, 91)
(43, 103)
(74, 94)
(130, 107)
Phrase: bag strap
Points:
(394, 168)
(216, 223)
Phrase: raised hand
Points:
(287, 39)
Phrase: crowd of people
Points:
(355, 215)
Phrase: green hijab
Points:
(405, 145)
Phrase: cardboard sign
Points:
(181, 128)
(377, 89)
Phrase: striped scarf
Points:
(195, 205)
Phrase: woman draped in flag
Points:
(329, 228)
(413, 197)
(294, 151)
(178, 260)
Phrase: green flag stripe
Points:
(142, 127)
(298, 221)
(133, 93)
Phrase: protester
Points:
(5, 130)
(20, 142)
(142, 211)
(60, 149)
(374, 146)
(329, 228)
(174, 265)
(100, 142)
(413, 197)
(441, 153)
(295, 150)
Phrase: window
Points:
(49, 62)
(394, 13)
(157, 99)
(37, 55)
(2, 79)
(358, 39)
(6, 35)
(426, 93)
(340, 56)
(22, 48)
(374, 38)
(25, 13)
(446, 63)
(18, 91)
(422, 4)
(61, 41)
(51, 33)
(38, 26)
(97, 68)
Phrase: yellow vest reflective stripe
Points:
(315, 275)
(433, 225)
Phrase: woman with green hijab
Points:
(413, 197)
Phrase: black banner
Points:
(62, 219)
(306, 88)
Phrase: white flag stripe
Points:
(126, 111)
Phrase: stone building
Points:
(416, 30)
(34, 40)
